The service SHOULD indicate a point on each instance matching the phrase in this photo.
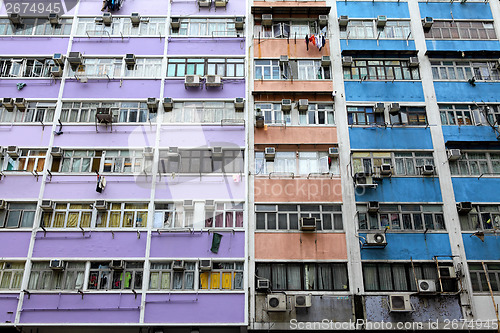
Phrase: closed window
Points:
(121, 26)
(77, 161)
(312, 70)
(223, 276)
(122, 112)
(403, 163)
(272, 113)
(202, 112)
(364, 115)
(36, 27)
(18, 215)
(224, 215)
(297, 163)
(479, 279)
(211, 27)
(469, 114)
(481, 217)
(11, 275)
(68, 215)
(381, 70)
(123, 215)
(43, 277)
(476, 163)
(227, 67)
(464, 70)
(270, 70)
(164, 277)
(461, 30)
(36, 112)
(367, 29)
(201, 161)
(104, 277)
(317, 114)
(31, 160)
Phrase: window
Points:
(71, 277)
(145, 67)
(401, 277)
(35, 112)
(289, 162)
(270, 70)
(171, 216)
(364, 115)
(225, 215)
(227, 67)
(18, 215)
(11, 275)
(464, 70)
(148, 26)
(461, 30)
(304, 276)
(312, 70)
(409, 116)
(402, 217)
(382, 70)
(478, 276)
(475, 163)
(123, 215)
(29, 160)
(404, 163)
(163, 277)
(317, 114)
(36, 27)
(287, 216)
(223, 276)
(202, 112)
(201, 161)
(288, 29)
(68, 215)
(114, 67)
(469, 114)
(126, 161)
(21, 67)
(103, 277)
(123, 112)
(481, 217)
(211, 27)
(77, 161)
(367, 29)
(272, 113)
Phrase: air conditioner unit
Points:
(303, 105)
(13, 151)
(205, 265)
(117, 264)
(192, 81)
(100, 205)
(347, 61)
(239, 104)
(217, 152)
(107, 18)
(239, 22)
(47, 205)
(464, 207)
(303, 301)
(75, 58)
(188, 204)
(220, 3)
(394, 107)
(276, 302)
(259, 121)
(21, 104)
(373, 206)
(453, 154)
(447, 272)
(323, 20)
(178, 265)
(333, 152)
(135, 18)
(8, 103)
(427, 22)
(15, 19)
(263, 284)
(53, 18)
(308, 223)
(209, 204)
(428, 170)
(148, 152)
(56, 264)
(204, 3)
(286, 105)
(173, 151)
(377, 239)
(364, 180)
(343, 20)
(56, 71)
(284, 59)
(56, 151)
(379, 107)
(414, 62)
(168, 103)
(426, 286)
(104, 115)
(175, 23)
(400, 303)
(152, 104)
(381, 20)
(386, 169)
(270, 153)
(3, 204)
(98, 20)
(130, 60)
(325, 61)
(58, 58)
(213, 81)
(267, 19)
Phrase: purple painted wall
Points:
(206, 46)
(111, 89)
(26, 45)
(192, 308)
(94, 308)
(202, 136)
(196, 245)
(153, 7)
(232, 88)
(25, 136)
(67, 187)
(122, 136)
(35, 88)
(8, 307)
(14, 244)
(195, 187)
(19, 186)
(117, 46)
(233, 7)
(98, 244)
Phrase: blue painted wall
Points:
(462, 45)
(475, 249)
(468, 133)
(464, 92)
(371, 44)
(413, 245)
(476, 190)
(372, 9)
(390, 138)
(403, 189)
(384, 91)
(441, 10)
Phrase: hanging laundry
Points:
(216, 239)
(312, 40)
(307, 42)
(317, 42)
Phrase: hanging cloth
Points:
(312, 40)
(318, 42)
(307, 42)
(216, 242)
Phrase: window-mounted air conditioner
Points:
(373, 206)
(56, 264)
(56, 151)
(209, 204)
(98, 20)
(75, 58)
(267, 19)
(213, 81)
(13, 151)
(168, 104)
(3, 204)
(326, 61)
(427, 22)
(447, 272)
(8, 103)
(117, 264)
(400, 303)
(363, 180)
(308, 223)
(239, 104)
(284, 59)
(394, 107)
(217, 152)
(152, 103)
(53, 19)
(100, 205)
(192, 81)
(263, 284)
(323, 20)
(379, 107)
(178, 265)
(303, 301)
(188, 204)
(385, 169)
(221, 3)
(426, 286)
(21, 104)
(286, 105)
(205, 265)
(303, 105)
(333, 152)
(135, 18)
(376, 239)
(239, 22)
(343, 20)
(104, 115)
(47, 205)
(414, 62)
(204, 3)
(56, 71)
(15, 19)
(148, 151)
(453, 154)
(259, 121)
(130, 60)
(381, 21)
(270, 153)
(464, 207)
(107, 18)
(276, 302)
(173, 151)
(175, 23)
(428, 170)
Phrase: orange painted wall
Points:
(273, 48)
(297, 190)
(287, 85)
(299, 245)
(289, 3)
(296, 135)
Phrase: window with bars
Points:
(71, 277)
(381, 70)
(121, 26)
(305, 276)
(226, 67)
(201, 161)
(29, 160)
(223, 276)
(18, 215)
(36, 27)
(475, 163)
(367, 29)
(407, 217)
(298, 163)
(123, 215)
(210, 27)
(103, 277)
(202, 112)
(164, 277)
(11, 275)
(287, 216)
(481, 217)
(224, 215)
(461, 30)
(403, 163)
(41, 112)
(478, 276)
(464, 70)
(23, 67)
(469, 114)
(68, 215)
(123, 112)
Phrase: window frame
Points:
(371, 70)
(205, 66)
